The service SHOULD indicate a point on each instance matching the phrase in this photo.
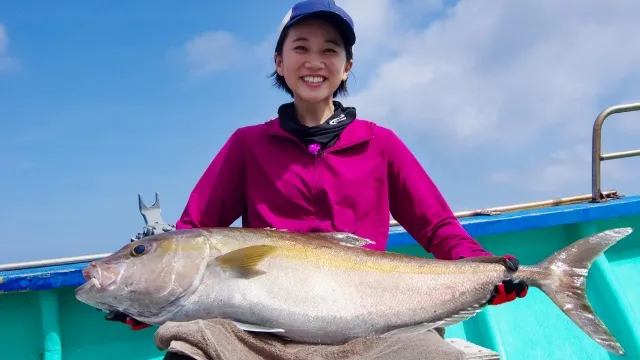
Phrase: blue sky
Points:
(101, 102)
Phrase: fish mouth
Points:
(104, 277)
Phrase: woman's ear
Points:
(347, 69)
(278, 62)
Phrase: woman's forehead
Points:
(314, 29)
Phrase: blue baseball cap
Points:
(327, 10)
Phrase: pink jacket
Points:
(270, 179)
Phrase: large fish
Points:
(323, 287)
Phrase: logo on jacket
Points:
(338, 119)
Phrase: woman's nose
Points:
(314, 61)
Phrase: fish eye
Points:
(138, 250)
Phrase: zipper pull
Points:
(314, 148)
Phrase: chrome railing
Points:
(611, 194)
(598, 157)
(51, 262)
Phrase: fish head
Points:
(148, 277)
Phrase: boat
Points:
(41, 319)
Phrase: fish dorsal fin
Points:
(454, 319)
(345, 239)
(243, 262)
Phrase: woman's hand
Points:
(118, 316)
(509, 290)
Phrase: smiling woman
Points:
(318, 168)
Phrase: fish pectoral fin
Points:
(243, 262)
(256, 328)
(345, 239)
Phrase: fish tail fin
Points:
(563, 275)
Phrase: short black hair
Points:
(280, 83)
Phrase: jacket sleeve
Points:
(218, 198)
(417, 205)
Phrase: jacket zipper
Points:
(316, 185)
(317, 171)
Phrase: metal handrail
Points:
(52, 262)
(610, 194)
(597, 156)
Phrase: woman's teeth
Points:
(313, 79)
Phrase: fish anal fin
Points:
(463, 315)
(452, 320)
(243, 262)
(256, 328)
(415, 329)
(345, 239)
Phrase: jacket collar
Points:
(357, 132)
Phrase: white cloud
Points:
(213, 51)
(375, 20)
(500, 71)
(7, 63)
(379, 23)
(568, 167)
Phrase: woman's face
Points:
(313, 60)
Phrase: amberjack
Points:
(324, 288)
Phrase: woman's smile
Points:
(313, 81)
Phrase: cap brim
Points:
(343, 26)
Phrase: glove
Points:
(118, 316)
(509, 290)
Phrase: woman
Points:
(317, 167)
